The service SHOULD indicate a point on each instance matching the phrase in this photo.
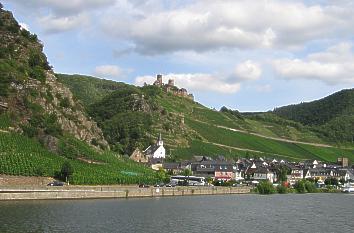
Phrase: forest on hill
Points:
(331, 117)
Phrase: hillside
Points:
(89, 89)
(42, 125)
(332, 117)
(132, 117)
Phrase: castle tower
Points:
(158, 81)
(171, 82)
(159, 78)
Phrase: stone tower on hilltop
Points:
(171, 88)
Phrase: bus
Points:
(188, 180)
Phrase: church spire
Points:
(159, 140)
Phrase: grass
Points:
(269, 146)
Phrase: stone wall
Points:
(84, 192)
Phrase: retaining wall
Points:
(85, 192)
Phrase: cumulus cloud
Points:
(64, 8)
(248, 70)
(108, 71)
(195, 82)
(59, 16)
(52, 24)
(209, 25)
(333, 66)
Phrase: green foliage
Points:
(282, 189)
(331, 181)
(186, 172)
(37, 73)
(299, 186)
(128, 130)
(310, 187)
(303, 186)
(41, 122)
(265, 187)
(282, 173)
(5, 121)
(88, 89)
(65, 102)
(332, 116)
(23, 156)
(66, 171)
(232, 112)
(130, 115)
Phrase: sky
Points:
(251, 55)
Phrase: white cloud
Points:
(64, 7)
(248, 70)
(333, 66)
(108, 71)
(209, 25)
(195, 82)
(52, 24)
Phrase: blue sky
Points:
(246, 55)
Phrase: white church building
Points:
(156, 151)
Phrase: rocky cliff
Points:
(30, 95)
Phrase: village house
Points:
(297, 173)
(260, 173)
(139, 156)
(224, 172)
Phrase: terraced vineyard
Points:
(20, 155)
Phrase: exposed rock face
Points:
(70, 114)
(34, 100)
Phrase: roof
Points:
(171, 166)
(151, 149)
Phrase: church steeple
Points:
(159, 140)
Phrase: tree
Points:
(310, 187)
(282, 173)
(331, 181)
(66, 170)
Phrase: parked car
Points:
(56, 183)
(170, 185)
(143, 186)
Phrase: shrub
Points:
(310, 187)
(37, 73)
(300, 186)
(282, 189)
(265, 187)
(65, 102)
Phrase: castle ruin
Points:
(171, 88)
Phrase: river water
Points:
(224, 213)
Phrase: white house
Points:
(156, 151)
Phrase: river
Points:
(224, 213)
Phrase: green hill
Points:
(132, 117)
(89, 89)
(42, 125)
(331, 117)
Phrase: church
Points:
(156, 151)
